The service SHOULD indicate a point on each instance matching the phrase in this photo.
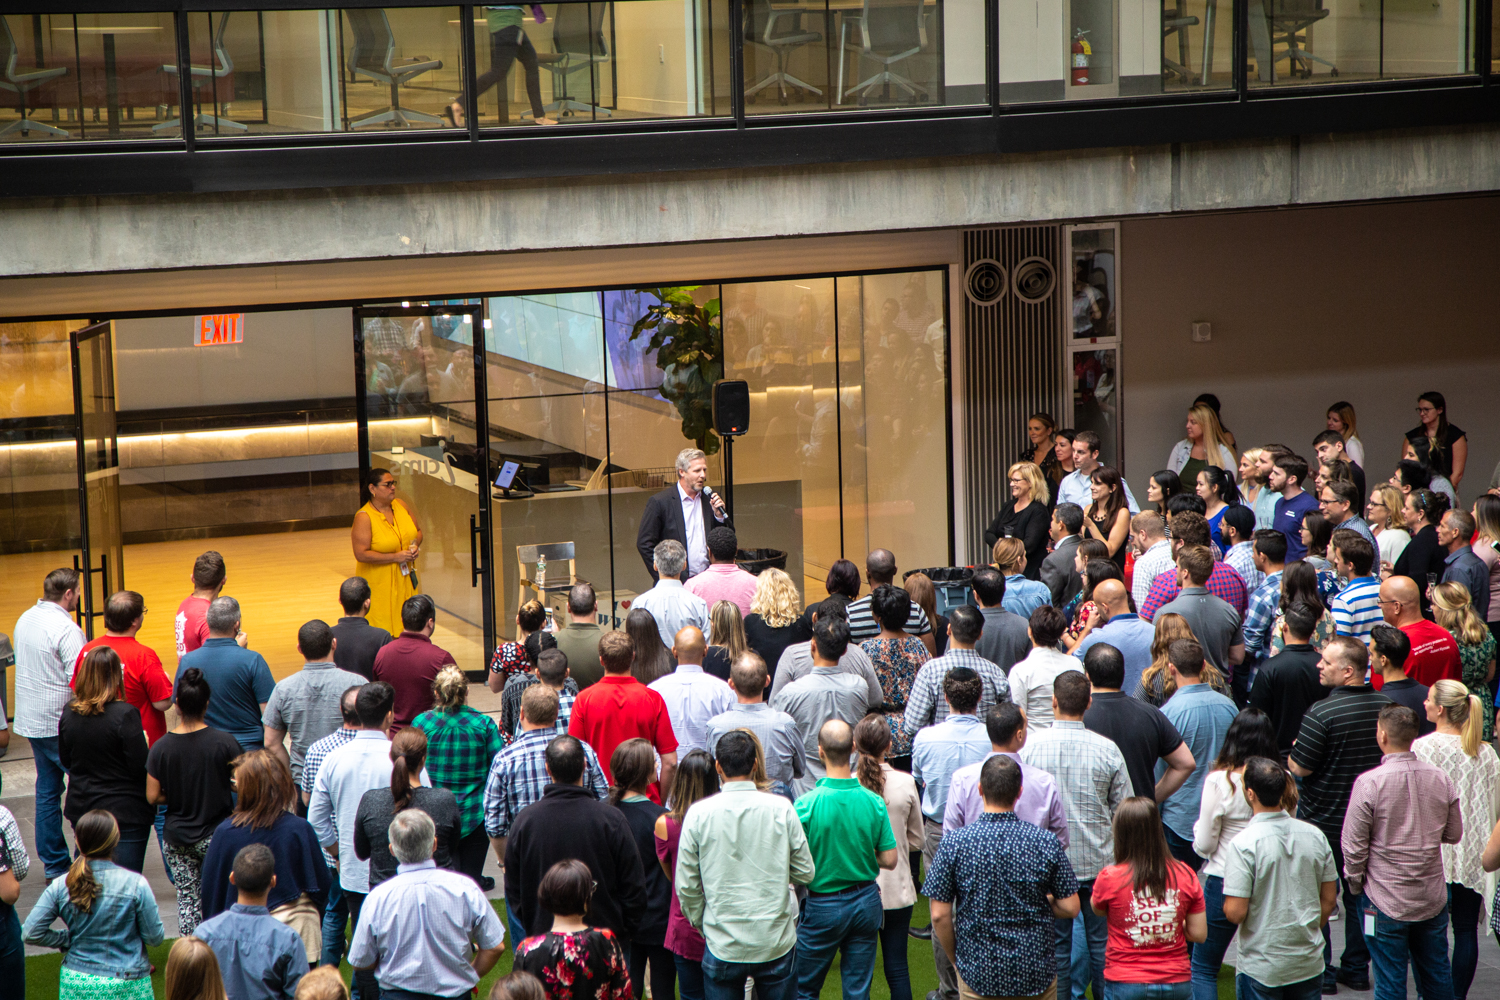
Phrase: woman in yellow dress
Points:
(387, 539)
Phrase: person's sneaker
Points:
(486, 883)
(1359, 982)
(920, 933)
(1330, 987)
(935, 995)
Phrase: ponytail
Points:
(1465, 712)
(1291, 796)
(96, 833)
(408, 754)
(872, 738)
(1473, 726)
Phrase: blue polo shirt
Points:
(1202, 716)
(239, 682)
(1288, 521)
(1132, 635)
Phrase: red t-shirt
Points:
(620, 708)
(1147, 937)
(191, 625)
(145, 680)
(1434, 654)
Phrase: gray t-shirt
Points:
(796, 662)
(306, 705)
(826, 693)
(1004, 641)
(1214, 621)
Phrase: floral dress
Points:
(896, 664)
(582, 965)
(1475, 660)
(1322, 633)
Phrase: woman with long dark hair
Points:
(1222, 814)
(372, 820)
(898, 890)
(1300, 584)
(1439, 445)
(653, 660)
(1317, 532)
(110, 913)
(1163, 486)
(1108, 517)
(633, 766)
(1040, 444)
(896, 657)
(1146, 880)
(1217, 490)
(696, 780)
(387, 539)
(1086, 615)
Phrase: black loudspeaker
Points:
(731, 407)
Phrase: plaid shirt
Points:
(1224, 583)
(1262, 614)
(510, 704)
(519, 775)
(1090, 773)
(319, 752)
(461, 746)
(925, 704)
(1240, 557)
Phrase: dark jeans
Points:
(365, 986)
(663, 970)
(1208, 956)
(1147, 991)
(470, 853)
(1246, 988)
(1097, 930)
(51, 845)
(846, 924)
(13, 952)
(1463, 905)
(335, 915)
(130, 850)
(1356, 959)
(506, 46)
(689, 978)
(1424, 943)
(893, 952)
(774, 980)
(1182, 849)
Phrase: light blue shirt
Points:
(111, 938)
(1023, 596)
(1202, 715)
(260, 958)
(692, 698)
(674, 607)
(1076, 487)
(940, 750)
(346, 774)
(1132, 636)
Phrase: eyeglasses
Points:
(1377, 503)
(1427, 409)
(1378, 601)
(389, 482)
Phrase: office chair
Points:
(889, 33)
(780, 31)
(22, 83)
(371, 57)
(1290, 20)
(578, 45)
(1176, 20)
(204, 76)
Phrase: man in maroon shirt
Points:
(620, 708)
(410, 661)
(1434, 652)
(191, 624)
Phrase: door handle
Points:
(474, 569)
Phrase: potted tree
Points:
(689, 348)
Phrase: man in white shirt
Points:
(1031, 680)
(47, 643)
(1155, 550)
(1076, 486)
(692, 697)
(672, 605)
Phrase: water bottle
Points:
(541, 572)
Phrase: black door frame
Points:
(86, 613)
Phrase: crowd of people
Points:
(1151, 733)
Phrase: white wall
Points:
(306, 354)
(1371, 304)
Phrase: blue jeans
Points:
(1464, 908)
(1246, 988)
(335, 915)
(846, 924)
(51, 845)
(13, 952)
(1424, 942)
(1208, 955)
(1147, 991)
(161, 839)
(1182, 848)
(1078, 967)
(1096, 929)
(689, 978)
(130, 851)
(774, 980)
(513, 923)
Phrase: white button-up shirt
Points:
(47, 643)
(674, 607)
(693, 698)
(419, 929)
(346, 774)
(692, 522)
(1078, 487)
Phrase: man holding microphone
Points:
(684, 512)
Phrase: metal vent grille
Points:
(1012, 364)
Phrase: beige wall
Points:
(1372, 304)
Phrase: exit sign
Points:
(225, 328)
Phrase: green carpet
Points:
(41, 970)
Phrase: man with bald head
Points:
(880, 567)
(849, 835)
(1123, 629)
(1434, 652)
(692, 696)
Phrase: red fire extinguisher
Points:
(1081, 53)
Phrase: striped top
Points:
(1337, 744)
(47, 643)
(1356, 608)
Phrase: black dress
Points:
(1119, 556)
(1424, 555)
(770, 641)
(105, 756)
(1029, 524)
(1441, 464)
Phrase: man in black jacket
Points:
(683, 512)
(569, 822)
(1058, 571)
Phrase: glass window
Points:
(87, 76)
(1093, 283)
(1096, 400)
(1297, 42)
(584, 62)
(844, 54)
(1093, 363)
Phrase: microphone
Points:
(708, 491)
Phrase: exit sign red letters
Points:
(225, 328)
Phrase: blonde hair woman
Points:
(1487, 547)
(919, 587)
(1022, 596)
(1453, 609)
(1206, 444)
(728, 630)
(461, 743)
(1024, 515)
(1341, 419)
(1156, 682)
(1474, 771)
(193, 971)
(775, 620)
(1383, 512)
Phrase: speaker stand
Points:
(729, 473)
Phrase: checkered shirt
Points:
(319, 751)
(519, 775)
(1090, 773)
(1224, 583)
(510, 704)
(1241, 559)
(461, 746)
(925, 704)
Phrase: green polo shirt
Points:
(846, 826)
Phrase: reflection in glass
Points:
(1093, 283)
(1197, 45)
(1096, 401)
(1296, 42)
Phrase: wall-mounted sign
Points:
(225, 328)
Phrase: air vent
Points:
(1035, 279)
(985, 282)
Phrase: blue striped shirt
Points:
(1356, 608)
(519, 774)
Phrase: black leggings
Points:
(506, 46)
(893, 946)
(470, 852)
(663, 971)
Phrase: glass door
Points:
(421, 398)
(103, 555)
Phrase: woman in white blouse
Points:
(1224, 812)
(1474, 769)
(898, 890)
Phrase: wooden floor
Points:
(280, 580)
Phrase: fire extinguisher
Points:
(1081, 53)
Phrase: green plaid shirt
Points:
(460, 747)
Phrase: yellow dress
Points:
(389, 587)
